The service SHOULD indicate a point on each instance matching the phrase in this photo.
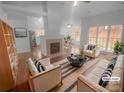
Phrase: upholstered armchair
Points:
(90, 50)
(46, 80)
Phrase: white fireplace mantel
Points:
(45, 44)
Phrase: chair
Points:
(46, 80)
(90, 50)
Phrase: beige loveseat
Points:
(88, 81)
(91, 52)
(45, 80)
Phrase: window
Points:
(105, 36)
(75, 33)
(39, 32)
(102, 37)
(92, 35)
(115, 35)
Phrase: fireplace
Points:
(52, 46)
(55, 48)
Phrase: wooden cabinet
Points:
(8, 58)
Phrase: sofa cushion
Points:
(120, 60)
(45, 61)
(48, 67)
(96, 73)
(32, 68)
(39, 66)
(116, 86)
(89, 51)
(117, 72)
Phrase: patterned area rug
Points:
(67, 70)
(70, 76)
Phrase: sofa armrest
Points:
(45, 80)
(84, 85)
(85, 47)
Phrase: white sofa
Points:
(45, 80)
(91, 53)
(88, 81)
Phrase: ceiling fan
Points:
(76, 1)
(87, 2)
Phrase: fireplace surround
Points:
(52, 46)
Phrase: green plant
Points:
(81, 53)
(67, 38)
(118, 47)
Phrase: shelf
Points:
(8, 34)
(8, 43)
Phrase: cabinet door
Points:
(6, 78)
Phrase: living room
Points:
(61, 46)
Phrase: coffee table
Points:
(76, 60)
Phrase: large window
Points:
(39, 32)
(92, 35)
(105, 36)
(75, 33)
(115, 35)
(102, 37)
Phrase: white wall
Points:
(3, 15)
(34, 23)
(58, 17)
(22, 44)
(113, 18)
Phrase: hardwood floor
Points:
(23, 73)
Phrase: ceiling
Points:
(61, 8)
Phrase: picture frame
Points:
(20, 32)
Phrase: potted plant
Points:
(67, 40)
(118, 47)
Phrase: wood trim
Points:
(54, 87)
(94, 88)
(44, 72)
(40, 74)
(87, 85)
(30, 82)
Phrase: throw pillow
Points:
(88, 47)
(102, 82)
(33, 70)
(113, 62)
(39, 66)
(94, 46)
(107, 73)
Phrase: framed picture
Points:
(20, 32)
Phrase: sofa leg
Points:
(61, 83)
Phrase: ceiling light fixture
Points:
(75, 3)
(69, 25)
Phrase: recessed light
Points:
(75, 3)
(69, 25)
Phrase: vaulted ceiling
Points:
(83, 9)
(61, 9)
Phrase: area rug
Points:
(67, 69)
